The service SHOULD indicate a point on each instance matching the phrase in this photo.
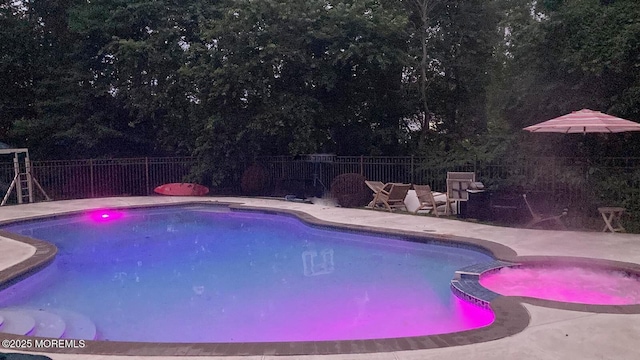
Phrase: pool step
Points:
(16, 322)
(50, 323)
(78, 325)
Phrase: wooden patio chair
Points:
(392, 196)
(426, 199)
(457, 191)
(375, 186)
(538, 218)
(457, 184)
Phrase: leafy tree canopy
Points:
(229, 80)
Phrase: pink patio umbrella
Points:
(585, 121)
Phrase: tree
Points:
(425, 29)
(563, 56)
(134, 50)
(574, 54)
(18, 64)
(454, 45)
(281, 77)
(469, 41)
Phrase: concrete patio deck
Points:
(551, 334)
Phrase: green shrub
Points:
(349, 190)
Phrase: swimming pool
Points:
(207, 274)
(497, 339)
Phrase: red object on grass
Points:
(182, 189)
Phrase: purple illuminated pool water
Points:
(206, 274)
(567, 284)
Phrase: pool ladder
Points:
(23, 180)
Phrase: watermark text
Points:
(43, 344)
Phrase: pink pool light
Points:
(105, 215)
(566, 284)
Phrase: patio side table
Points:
(612, 218)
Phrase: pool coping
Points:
(510, 315)
(44, 255)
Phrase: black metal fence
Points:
(77, 179)
(544, 175)
(578, 183)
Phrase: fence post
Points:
(412, 171)
(146, 174)
(362, 165)
(91, 177)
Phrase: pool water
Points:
(208, 274)
(566, 283)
